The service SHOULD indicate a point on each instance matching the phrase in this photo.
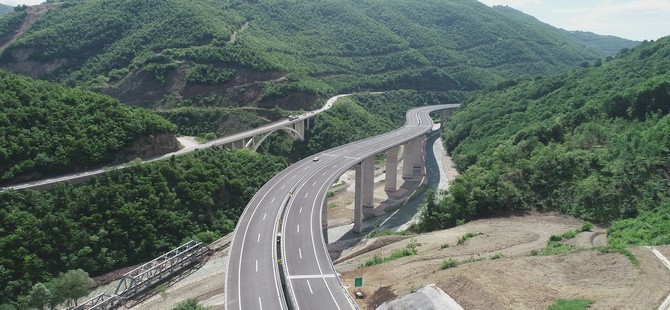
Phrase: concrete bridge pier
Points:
(365, 186)
(419, 161)
(236, 145)
(445, 115)
(409, 155)
(391, 183)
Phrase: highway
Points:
(293, 203)
(221, 141)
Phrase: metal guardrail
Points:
(147, 275)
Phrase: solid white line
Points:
(310, 287)
(259, 238)
(300, 252)
(260, 304)
(264, 215)
(312, 276)
(666, 303)
(256, 265)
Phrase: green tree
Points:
(71, 286)
(39, 297)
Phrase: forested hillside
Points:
(48, 129)
(171, 54)
(124, 216)
(609, 45)
(593, 143)
(4, 9)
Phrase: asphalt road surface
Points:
(293, 203)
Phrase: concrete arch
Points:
(295, 134)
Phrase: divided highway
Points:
(292, 205)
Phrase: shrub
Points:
(449, 263)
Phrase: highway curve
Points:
(292, 203)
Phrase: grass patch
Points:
(498, 255)
(557, 247)
(571, 304)
(332, 205)
(387, 232)
(444, 245)
(621, 250)
(409, 250)
(467, 236)
(449, 263)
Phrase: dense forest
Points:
(610, 45)
(125, 216)
(593, 143)
(48, 129)
(201, 54)
(5, 9)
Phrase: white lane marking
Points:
(323, 174)
(260, 304)
(300, 252)
(298, 228)
(259, 238)
(310, 287)
(300, 210)
(293, 177)
(314, 183)
(264, 215)
(312, 276)
(273, 199)
(256, 265)
(306, 195)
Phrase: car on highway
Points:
(292, 117)
(315, 159)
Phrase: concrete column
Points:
(418, 147)
(423, 156)
(391, 169)
(409, 152)
(358, 201)
(235, 145)
(445, 115)
(368, 171)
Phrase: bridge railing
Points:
(147, 275)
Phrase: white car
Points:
(315, 159)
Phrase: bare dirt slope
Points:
(518, 280)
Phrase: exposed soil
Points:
(518, 280)
(32, 13)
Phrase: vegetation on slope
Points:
(47, 128)
(609, 45)
(593, 143)
(124, 216)
(325, 46)
(6, 9)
